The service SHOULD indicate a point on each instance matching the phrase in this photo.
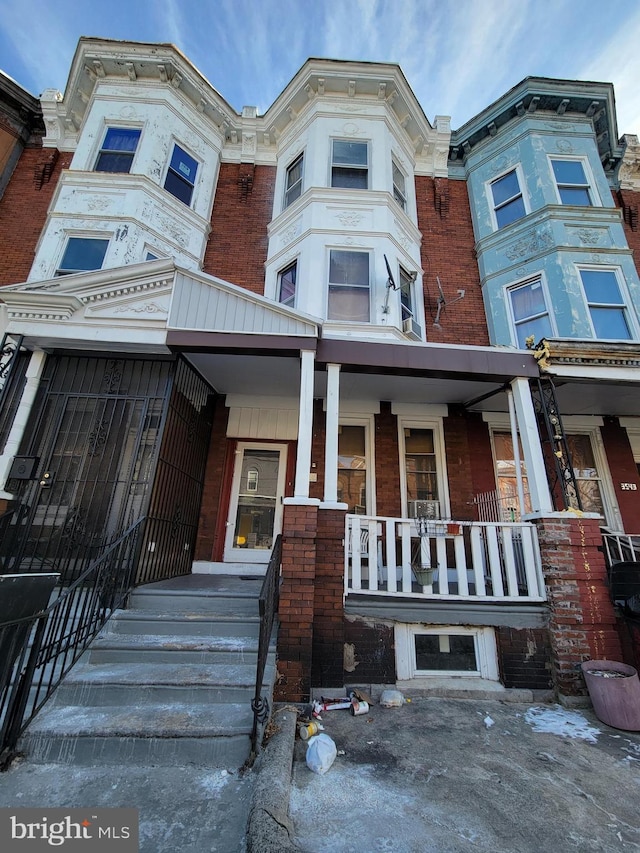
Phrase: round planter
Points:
(615, 698)
(424, 577)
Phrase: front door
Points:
(255, 508)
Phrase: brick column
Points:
(582, 621)
(328, 619)
(295, 636)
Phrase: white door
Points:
(255, 508)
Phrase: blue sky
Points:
(458, 55)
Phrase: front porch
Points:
(454, 560)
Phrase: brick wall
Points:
(447, 252)
(469, 460)
(238, 242)
(370, 656)
(297, 596)
(629, 201)
(387, 462)
(582, 620)
(23, 209)
(525, 657)
(623, 470)
(328, 624)
(208, 546)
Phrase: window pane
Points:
(121, 139)
(601, 286)
(420, 465)
(349, 268)
(294, 181)
(352, 468)
(505, 188)
(528, 300)
(83, 254)
(575, 195)
(446, 652)
(354, 179)
(585, 472)
(179, 188)
(349, 303)
(540, 327)
(510, 212)
(287, 294)
(569, 172)
(349, 153)
(610, 323)
(183, 164)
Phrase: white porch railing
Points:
(490, 561)
(621, 547)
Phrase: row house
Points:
(412, 351)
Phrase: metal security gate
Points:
(90, 451)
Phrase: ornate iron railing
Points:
(268, 608)
(41, 649)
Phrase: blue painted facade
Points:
(554, 261)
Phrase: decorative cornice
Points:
(629, 173)
(550, 353)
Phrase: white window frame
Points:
(625, 306)
(286, 202)
(577, 425)
(331, 284)
(490, 198)
(592, 191)
(368, 422)
(175, 143)
(434, 424)
(366, 169)
(509, 288)
(115, 125)
(399, 193)
(293, 262)
(485, 648)
(82, 236)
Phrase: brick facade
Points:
(23, 209)
(238, 242)
(328, 625)
(215, 493)
(623, 469)
(297, 603)
(582, 620)
(524, 656)
(448, 253)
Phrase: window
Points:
(506, 506)
(407, 305)
(606, 304)
(348, 286)
(287, 285)
(508, 203)
(252, 480)
(399, 190)
(447, 650)
(588, 479)
(181, 176)
(350, 165)
(293, 188)
(530, 313)
(352, 468)
(572, 183)
(118, 147)
(421, 473)
(82, 254)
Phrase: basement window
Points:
(447, 650)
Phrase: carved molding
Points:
(534, 241)
(629, 173)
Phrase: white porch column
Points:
(531, 447)
(516, 452)
(331, 436)
(305, 425)
(33, 374)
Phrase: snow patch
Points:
(559, 721)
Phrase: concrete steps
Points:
(168, 682)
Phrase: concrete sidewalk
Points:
(451, 775)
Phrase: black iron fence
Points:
(268, 608)
(37, 651)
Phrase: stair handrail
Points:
(268, 602)
(58, 635)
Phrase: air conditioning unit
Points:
(412, 329)
(424, 509)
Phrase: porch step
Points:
(168, 681)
